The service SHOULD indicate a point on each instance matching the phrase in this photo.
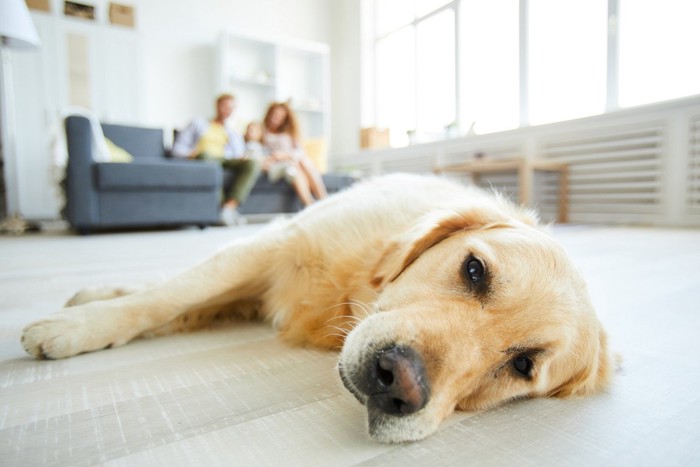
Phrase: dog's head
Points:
(475, 309)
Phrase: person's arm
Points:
(297, 151)
(235, 149)
(187, 140)
(282, 146)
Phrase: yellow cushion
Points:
(316, 149)
(117, 154)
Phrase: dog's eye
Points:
(474, 270)
(476, 277)
(523, 365)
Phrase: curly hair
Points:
(290, 124)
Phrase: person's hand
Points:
(281, 156)
(267, 163)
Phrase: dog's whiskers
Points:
(342, 334)
(364, 307)
(345, 327)
(350, 320)
(336, 306)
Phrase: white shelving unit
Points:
(260, 70)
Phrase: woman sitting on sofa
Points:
(285, 156)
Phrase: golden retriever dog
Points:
(440, 297)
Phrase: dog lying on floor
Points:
(441, 297)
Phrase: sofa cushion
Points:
(117, 154)
(142, 143)
(337, 181)
(173, 175)
(279, 197)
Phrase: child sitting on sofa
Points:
(275, 169)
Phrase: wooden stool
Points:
(526, 171)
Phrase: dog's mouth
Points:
(347, 382)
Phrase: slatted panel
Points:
(545, 195)
(419, 163)
(545, 191)
(358, 167)
(505, 183)
(614, 174)
(694, 167)
(457, 154)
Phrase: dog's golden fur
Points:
(382, 265)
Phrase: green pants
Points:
(244, 173)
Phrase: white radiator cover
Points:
(693, 191)
(634, 166)
(615, 174)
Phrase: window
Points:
(658, 50)
(489, 84)
(435, 73)
(567, 59)
(396, 89)
(424, 7)
(447, 66)
(415, 68)
(392, 15)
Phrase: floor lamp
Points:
(17, 31)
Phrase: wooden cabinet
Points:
(260, 70)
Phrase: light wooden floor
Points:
(237, 396)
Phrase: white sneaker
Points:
(229, 216)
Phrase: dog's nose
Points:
(397, 382)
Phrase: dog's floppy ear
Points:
(593, 377)
(431, 230)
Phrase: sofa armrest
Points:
(81, 194)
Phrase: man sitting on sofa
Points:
(214, 140)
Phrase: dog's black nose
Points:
(396, 382)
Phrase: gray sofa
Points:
(148, 192)
(279, 197)
(156, 190)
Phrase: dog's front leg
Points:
(235, 273)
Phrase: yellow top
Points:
(213, 141)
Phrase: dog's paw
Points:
(63, 335)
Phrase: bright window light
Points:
(659, 42)
(392, 14)
(562, 63)
(436, 74)
(567, 59)
(396, 84)
(426, 6)
(489, 74)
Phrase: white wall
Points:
(345, 76)
(178, 40)
(179, 37)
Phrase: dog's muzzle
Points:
(391, 381)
